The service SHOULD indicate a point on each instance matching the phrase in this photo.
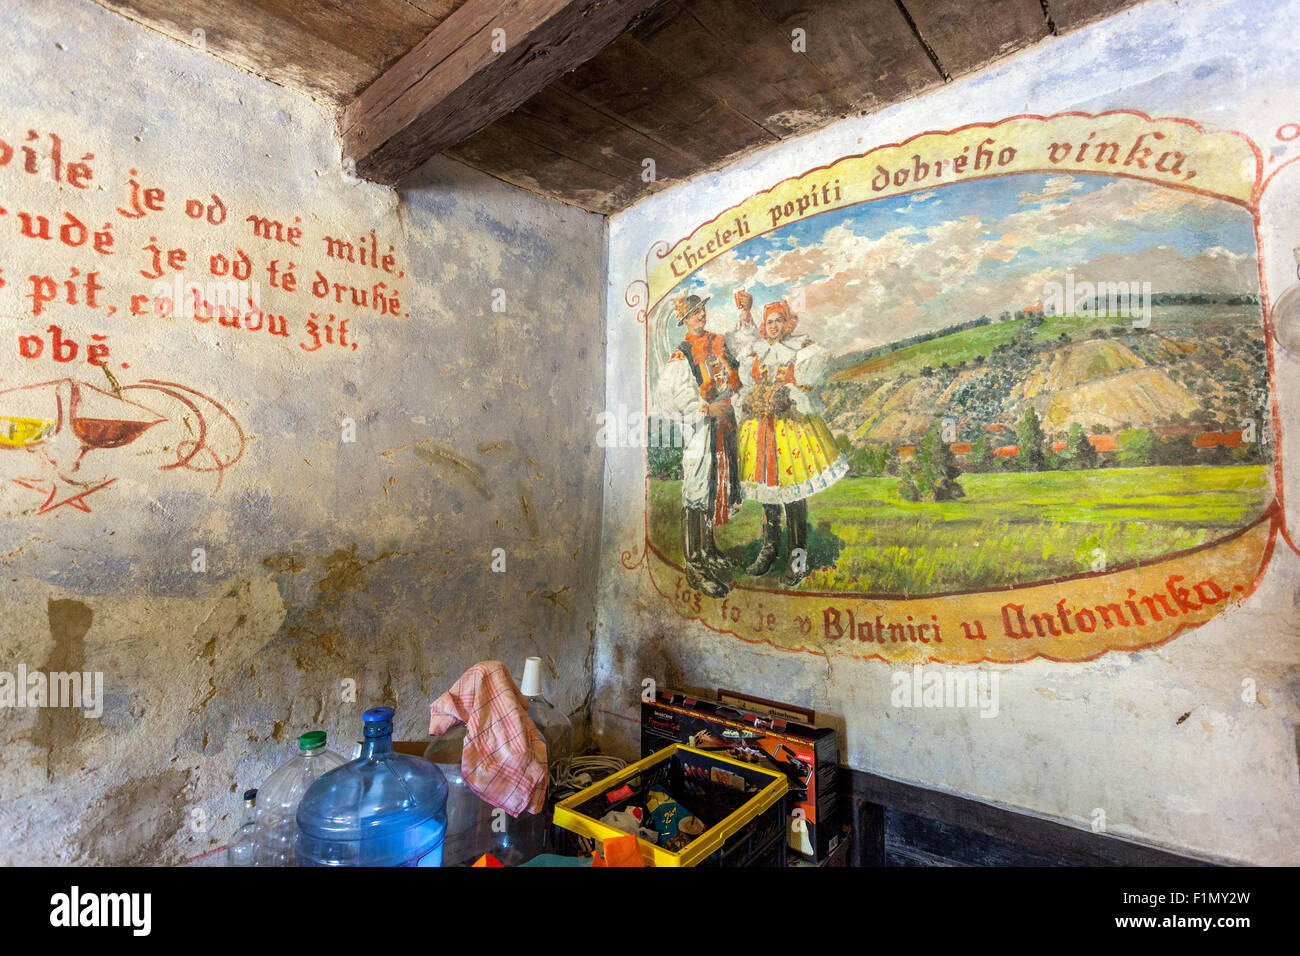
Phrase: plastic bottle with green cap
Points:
(279, 797)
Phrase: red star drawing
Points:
(50, 488)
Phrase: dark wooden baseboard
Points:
(900, 824)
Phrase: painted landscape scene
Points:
(1031, 377)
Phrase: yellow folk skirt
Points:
(787, 459)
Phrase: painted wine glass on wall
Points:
(71, 431)
(993, 383)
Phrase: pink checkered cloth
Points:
(504, 758)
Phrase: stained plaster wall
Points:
(326, 561)
(1069, 738)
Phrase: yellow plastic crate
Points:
(569, 815)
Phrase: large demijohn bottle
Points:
(555, 728)
(382, 809)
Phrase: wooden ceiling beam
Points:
(328, 51)
(865, 46)
(967, 36)
(487, 58)
(1069, 15)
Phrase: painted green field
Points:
(965, 345)
(1009, 529)
(954, 349)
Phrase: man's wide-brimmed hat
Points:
(684, 305)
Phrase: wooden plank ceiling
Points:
(329, 50)
(691, 84)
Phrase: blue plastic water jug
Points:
(382, 809)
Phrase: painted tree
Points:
(1134, 447)
(931, 473)
(980, 457)
(1079, 451)
(871, 462)
(1030, 440)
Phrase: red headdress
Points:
(778, 306)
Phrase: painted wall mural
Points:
(60, 423)
(993, 393)
(132, 299)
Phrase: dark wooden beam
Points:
(454, 83)
(329, 51)
(966, 36)
(630, 83)
(1069, 15)
(865, 46)
(731, 50)
(558, 146)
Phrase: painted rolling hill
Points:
(1105, 375)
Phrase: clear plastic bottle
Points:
(278, 799)
(242, 848)
(382, 809)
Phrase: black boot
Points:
(796, 566)
(771, 542)
(697, 572)
(717, 562)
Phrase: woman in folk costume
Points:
(697, 384)
(786, 451)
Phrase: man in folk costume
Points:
(698, 383)
(786, 451)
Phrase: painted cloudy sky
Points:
(884, 270)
